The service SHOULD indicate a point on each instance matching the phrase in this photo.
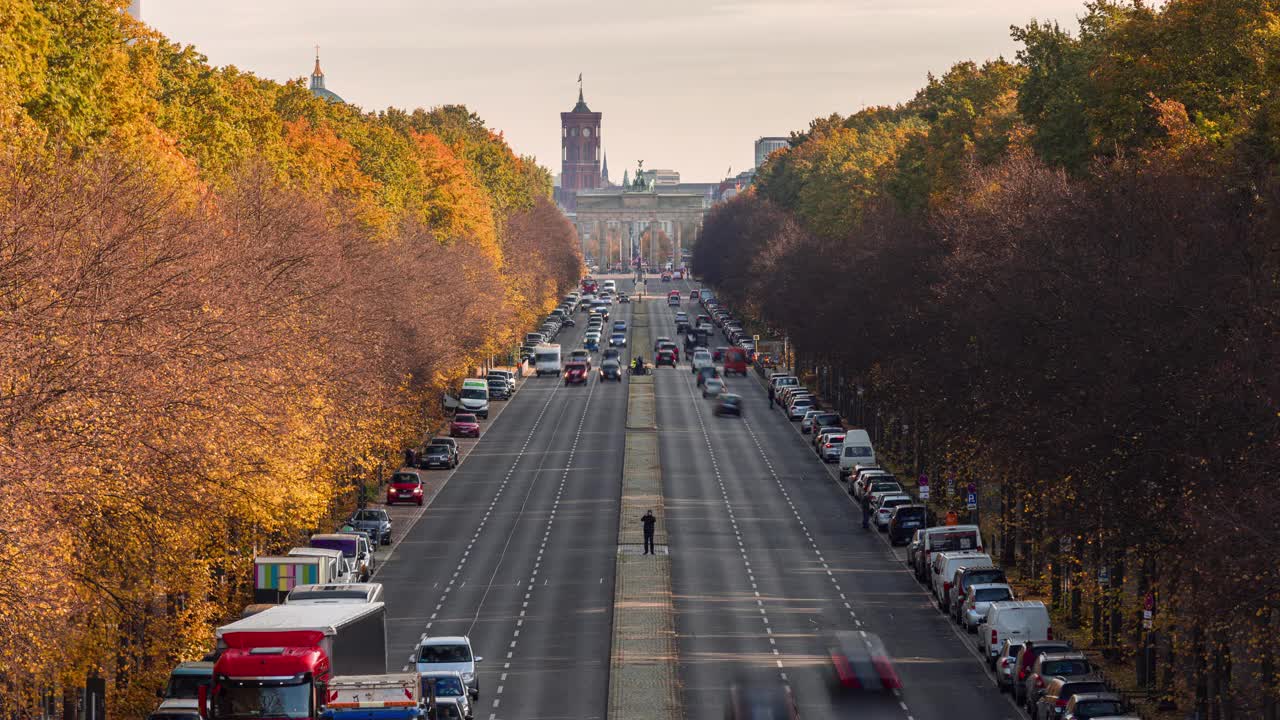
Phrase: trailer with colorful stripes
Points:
(275, 575)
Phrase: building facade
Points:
(580, 155)
(767, 145)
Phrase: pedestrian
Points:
(770, 396)
(410, 457)
(866, 511)
(649, 521)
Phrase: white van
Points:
(945, 538)
(857, 451)
(943, 567)
(546, 360)
(339, 567)
(1018, 621)
(475, 397)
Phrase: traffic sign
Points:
(924, 480)
(924, 492)
(755, 338)
(1104, 575)
(973, 501)
(973, 488)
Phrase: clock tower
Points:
(579, 152)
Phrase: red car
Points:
(575, 373)
(861, 662)
(665, 357)
(735, 361)
(464, 425)
(404, 487)
(671, 346)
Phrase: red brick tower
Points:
(579, 152)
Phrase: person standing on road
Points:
(866, 511)
(410, 457)
(770, 396)
(649, 521)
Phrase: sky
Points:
(683, 84)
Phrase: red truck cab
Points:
(284, 681)
(735, 361)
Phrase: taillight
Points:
(1039, 681)
(946, 586)
(1050, 632)
(994, 635)
(1060, 702)
(1004, 662)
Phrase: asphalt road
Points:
(769, 558)
(517, 550)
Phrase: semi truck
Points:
(279, 663)
(396, 696)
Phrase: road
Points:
(517, 550)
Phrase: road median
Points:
(642, 677)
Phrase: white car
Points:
(712, 387)
(799, 408)
(618, 340)
(978, 599)
(451, 653)
(883, 509)
(701, 359)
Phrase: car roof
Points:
(1068, 655)
(1080, 697)
(446, 640)
(987, 586)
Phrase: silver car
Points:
(451, 653)
(978, 598)
(448, 685)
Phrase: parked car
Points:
(883, 509)
(1031, 649)
(944, 567)
(905, 522)
(498, 389)
(729, 404)
(1022, 620)
(798, 408)
(176, 709)
(185, 680)
(374, 521)
(979, 596)
(820, 433)
(806, 421)
(507, 375)
(450, 654)
(972, 575)
(1095, 705)
(435, 456)
(829, 447)
(404, 487)
(464, 425)
(1051, 665)
(1053, 702)
(1006, 659)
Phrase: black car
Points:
(905, 521)
(611, 370)
(375, 522)
(612, 353)
(437, 456)
(729, 404)
(499, 390)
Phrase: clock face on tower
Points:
(586, 132)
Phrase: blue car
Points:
(591, 343)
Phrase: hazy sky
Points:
(683, 84)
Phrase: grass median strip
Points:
(642, 676)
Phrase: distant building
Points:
(317, 83)
(767, 145)
(662, 178)
(580, 159)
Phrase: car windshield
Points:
(445, 686)
(444, 654)
(347, 547)
(979, 577)
(464, 418)
(1098, 708)
(437, 450)
(250, 701)
(406, 478)
(1065, 667)
(857, 451)
(185, 686)
(474, 394)
(992, 595)
(895, 502)
(547, 357)
(369, 515)
(949, 541)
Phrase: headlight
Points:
(468, 676)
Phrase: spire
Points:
(604, 169)
(317, 75)
(581, 107)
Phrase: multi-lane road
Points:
(517, 551)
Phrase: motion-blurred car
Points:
(729, 404)
(575, 373)
(464, 425)
(712, 387)
(706, 373)
(761, 700)
(860, 662)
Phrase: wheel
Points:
(419, 502)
